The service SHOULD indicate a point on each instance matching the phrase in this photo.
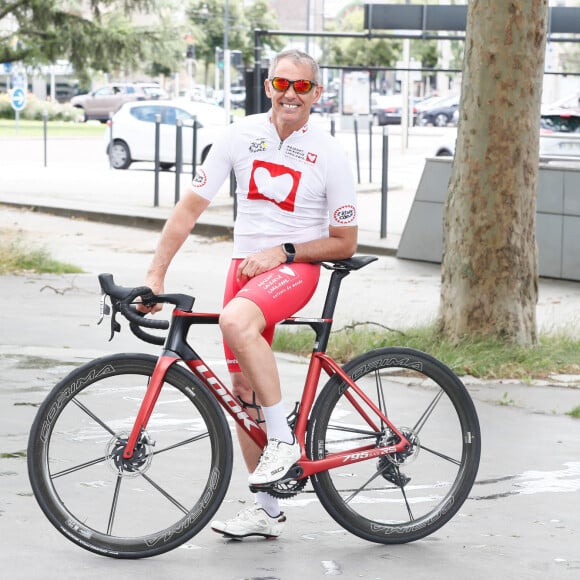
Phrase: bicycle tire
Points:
(398, 499)
(177, 479)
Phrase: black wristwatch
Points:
(290, 252)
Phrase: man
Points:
(296, 207)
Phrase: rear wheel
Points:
(400, 497)
(142, 506)
(84, 117)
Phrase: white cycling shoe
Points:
(277, 458)
(253, 521)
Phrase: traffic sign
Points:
(18, 99)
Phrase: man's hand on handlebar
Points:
(157, 287)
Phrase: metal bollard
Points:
(110, 140)
(178, 157)
(371, 150)
(194, 149)
(157, 133)
(356, 148)
(45, 133)
(385, 182)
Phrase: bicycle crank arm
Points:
(293, 474)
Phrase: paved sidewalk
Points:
(77, 181)
(520, 522)
(522, 519)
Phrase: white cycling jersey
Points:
(287, 191)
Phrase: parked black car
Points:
(440, 113)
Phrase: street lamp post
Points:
(227, 61)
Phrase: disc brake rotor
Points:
(134, 466)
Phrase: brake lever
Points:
(109, 310)
(104, 308)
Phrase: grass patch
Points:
(575, 412)
(16, 257)
(35, 129)
(485, 359)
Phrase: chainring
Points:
(286, 489)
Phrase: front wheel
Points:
(441, 120)
(400, 497)
(120, 155)
(142, 506)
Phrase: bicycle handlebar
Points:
(122, 300)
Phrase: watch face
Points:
(289, 248)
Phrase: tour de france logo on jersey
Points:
(258, 145)
(275, 183)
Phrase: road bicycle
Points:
(131, 455)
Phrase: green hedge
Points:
(35, 109)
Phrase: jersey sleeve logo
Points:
(200, 178)
(344, 214)
(274, 183)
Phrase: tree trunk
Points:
(489, 283)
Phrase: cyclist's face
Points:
(290, 108)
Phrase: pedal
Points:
(294, 473)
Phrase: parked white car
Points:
(559, 136)
(132, 131)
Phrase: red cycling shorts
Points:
(279, 293)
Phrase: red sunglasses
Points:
(301, 87)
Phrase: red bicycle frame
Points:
(176, 349)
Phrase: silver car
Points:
(100, 103)
(130, 136)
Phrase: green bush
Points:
(35, 109)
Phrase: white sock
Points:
(268, 503)
(277, 424)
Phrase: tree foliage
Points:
(99, 35)
(206, 20)
(359, 51)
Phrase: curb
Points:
(154, 223)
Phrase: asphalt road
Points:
(522, 519)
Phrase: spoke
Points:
(165, 494)
(380, 395)
(346, 429)
(427, 413)
(182, 443)
(442, 455)
(357, 491)
(114, 504)
(93, 416)
(79, 467)
(411, 517)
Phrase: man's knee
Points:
(240, 321)
(241, 388)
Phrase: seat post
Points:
(332, 292)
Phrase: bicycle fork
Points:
(200, 369)
(148, 403)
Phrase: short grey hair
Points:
(297, 56)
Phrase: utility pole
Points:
(227, 62)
